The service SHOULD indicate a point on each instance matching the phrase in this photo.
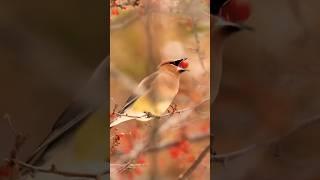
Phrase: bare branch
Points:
(149, 114)
(194, 138)
(235, 154)
(147, 146)
(195, 164)
(16, 164)
(53, 170)
(197, 48)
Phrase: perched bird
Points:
(226, 19)
(221, 30)
(61, 146)
(154, 94)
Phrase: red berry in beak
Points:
(236, 10)
(183, 64)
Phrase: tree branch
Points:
(53, 170)
(223, 158)
(195, 164)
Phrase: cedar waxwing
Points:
(221, 31)
(154, 94)
(226, 19)
(61, 147)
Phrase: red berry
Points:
(236, 10)
(175, 152)
(113, 115)
(184, 146)
(115, 11)
(141, 160)
(183, 64)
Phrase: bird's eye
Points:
(176, 63)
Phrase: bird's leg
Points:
(149, 115)
(173, 109)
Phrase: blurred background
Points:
(142, 36)
(271, 86)
(48, 51)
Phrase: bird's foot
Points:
(172, 108)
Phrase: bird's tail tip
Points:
(119, 121)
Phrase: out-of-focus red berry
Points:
(183, 64)
(184, 146)
(138, 171)
(115, 11)
(236, 10)
(190, 158)
(175, 152)
(141, 160)
(113, 115)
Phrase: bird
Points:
(221, 31)
(154, 94)
(226, 19)
(61, 138)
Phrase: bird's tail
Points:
(119, 120)
(139, 116)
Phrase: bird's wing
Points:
(89, 100)
(141, 89)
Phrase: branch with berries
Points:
(149, 147)
(115, 5)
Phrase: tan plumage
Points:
(220, 32)
(58, 147)
(154, 94)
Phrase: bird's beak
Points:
(181, 70)
(183, 59)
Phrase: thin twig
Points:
(17, 164)
(146, 146)
(196, 38)
(53, 170)
(149, 114)
(195, 164)
(194, 138)
(235, 154)
(8, 118)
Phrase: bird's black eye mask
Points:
(177, 62)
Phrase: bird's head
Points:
(230, 15)
(177, 66)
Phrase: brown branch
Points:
(16, 164)
(149, 114)
(147, 146)
(194, 138)
(115, 4)
(223, 158)
(195, 164)
(53, 170)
